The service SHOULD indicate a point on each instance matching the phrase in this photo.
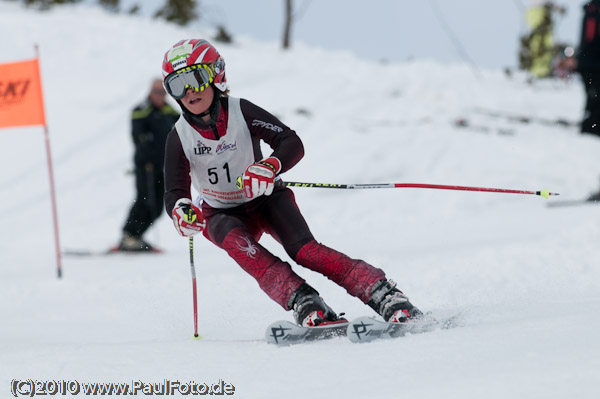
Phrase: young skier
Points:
(215, 141)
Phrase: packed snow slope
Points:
(525, 277)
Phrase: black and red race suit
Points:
(210, 158)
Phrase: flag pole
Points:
(51, 176)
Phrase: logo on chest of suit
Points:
(202, 149)
(225, 146)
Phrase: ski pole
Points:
(190, 217)
(542, 193)
(151, 186)
(194, 292)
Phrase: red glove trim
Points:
(273, 163)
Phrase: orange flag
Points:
(21, 100)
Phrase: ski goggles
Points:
(196, 77)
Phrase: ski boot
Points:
(391, 303)
(594, 197)
(309, 308)
(131, 243)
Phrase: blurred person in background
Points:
(151, 122)
(537, 53)
(588, 65)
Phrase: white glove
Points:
(187, 218)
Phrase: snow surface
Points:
(527, 277)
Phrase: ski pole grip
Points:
(191, 215)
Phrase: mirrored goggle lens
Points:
(196, 77)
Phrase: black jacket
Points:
(150, 127)
(589, 44)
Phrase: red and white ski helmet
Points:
(186, 53)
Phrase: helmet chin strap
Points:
(205, 113)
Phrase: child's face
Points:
(198, 102)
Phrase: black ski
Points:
(527, 119)
(367, 329)
(284, 333)
(82, 253)
(587, 201)
(466, 124)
